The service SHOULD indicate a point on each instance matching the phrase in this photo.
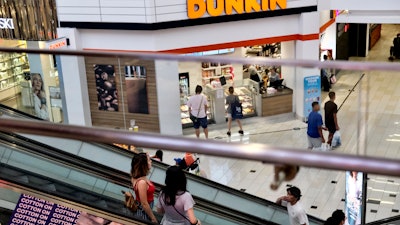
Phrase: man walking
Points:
(297, 214)
(331, 122)
(314, 129)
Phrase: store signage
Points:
(56, 44)
(198, 8)
(6, 23)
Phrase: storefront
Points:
(29, 82)
(252, 83)
(288, 31)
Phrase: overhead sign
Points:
(6, 23)
(198, 8)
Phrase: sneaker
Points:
(228, 133)
(241, 132)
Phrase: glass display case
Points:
(185, 117)
(247, 99)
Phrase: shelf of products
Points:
(12, 68)
(247, 100)
(214, 71)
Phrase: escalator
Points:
(119, 159)
(86, 186)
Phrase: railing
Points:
(257, 152)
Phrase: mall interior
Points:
(87, 86)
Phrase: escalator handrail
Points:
(13, 112)
(387, 220)
(108, 173)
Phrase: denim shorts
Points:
(200, 122)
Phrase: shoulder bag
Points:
(185, 217)
(194, 118)
(236, 109)
(130, 201)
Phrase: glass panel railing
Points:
(77, 185)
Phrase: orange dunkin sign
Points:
(197, 8)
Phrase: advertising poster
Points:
(136, 89)
(107, 95)
(354, 198)
(35, 211)
(312, 93)
(39, 96)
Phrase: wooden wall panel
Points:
(121, 119)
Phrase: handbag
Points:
(194, 118)
(236, 110)
(186, 217)
(130, 202)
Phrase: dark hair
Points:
(325, 57)
(338, 216)
(139, 166)
(175, 182)
(295, 191)
(231, 90)
(332, 94)
(159, 154)
(314, 104)
(199, 89)
(331, 221)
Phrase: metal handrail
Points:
(337, 64)
(256, 152)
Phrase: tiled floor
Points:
(383, 139)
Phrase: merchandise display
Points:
(247, 100)
(214, 71)
(12, 69)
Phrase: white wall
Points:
(328, 40)
(134, 11)
(186, 37)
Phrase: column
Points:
(168, 98)
(307, 48)
(73, 82)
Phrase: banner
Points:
(312, 93)
(354, 199)
(35, 211)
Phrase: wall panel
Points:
(121, 119)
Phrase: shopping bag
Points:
(236, 110)
(336, 140)
(324, 147)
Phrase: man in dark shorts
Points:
(331, 110)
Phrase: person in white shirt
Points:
(297, 214)
(198, 110)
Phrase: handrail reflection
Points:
(333, 64)
(256, 152)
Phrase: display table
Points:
(277, 103)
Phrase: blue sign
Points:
(312, 93)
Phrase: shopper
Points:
(396, 46)
(198, 110)
(273, 75)
(158, 156)
(143, 187)
(339, 217)
(175, 202)
(39, 97)
(331, 121)
(231, 99)
(297, 214)
(314, 129)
